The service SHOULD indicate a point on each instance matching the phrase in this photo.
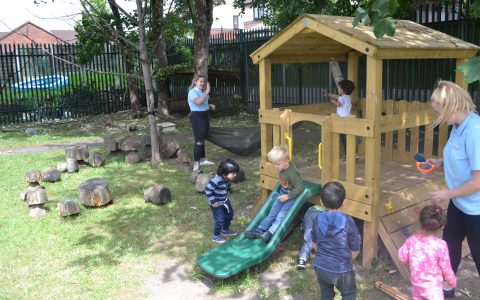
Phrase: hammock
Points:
(241, 141)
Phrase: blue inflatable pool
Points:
(42, 83)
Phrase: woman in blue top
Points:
(461, 159)
(198, 96)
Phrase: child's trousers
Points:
(427, 292)
(222, 216)
(344, 282)
(276, 215)
(308, 221)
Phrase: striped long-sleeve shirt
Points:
(217, 190)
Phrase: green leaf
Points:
(360, 14)
(471, 69)
(385, 7)
(386, 26)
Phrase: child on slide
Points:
(291, 186)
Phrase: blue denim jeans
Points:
(344, 282)
(222, 217)
(308, 221)
(277, 213)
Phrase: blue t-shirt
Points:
(336, 236)
(461, 156)
(194, 93)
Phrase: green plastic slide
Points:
(241, 253)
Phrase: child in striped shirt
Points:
(217, 194)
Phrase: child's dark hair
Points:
(432, 217)
(227, 166)
(332, 195)
(347, 86)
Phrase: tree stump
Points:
(202, 181)
(51, 175)
(33, 176)
(62, 167)
(240, 176)
(157, 194)
(68, 207)
(170, 148)
(131, 145)
(132, 157)
(23, 195)
(79, 152)
(184, 157)
(36, 211)
(131, 127)
(96, 159)
(193, 176)
(72, 165)
(36, 196)
(110, 143)
(95, 192)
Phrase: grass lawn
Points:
(106, 253)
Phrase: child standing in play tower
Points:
(427, 256)
(342, 101)
(291, 186)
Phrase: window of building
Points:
(258, 12)
(235, 22)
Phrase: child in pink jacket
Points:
(427, 256)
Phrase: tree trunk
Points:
(160, 55)
(95, 192)
(203, 18)
(135, 104)
(147, 78)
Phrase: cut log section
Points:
(36, 195)
(131, 146)
(62, 167)
(51, 175)
(96, 159)
(157, 194)
(95, 192)
(33, 176)
(202, 181)
(170, 148)
(79, 152)
(184, 157)
(37, 211)
(391, 291)
(132, 157)
(68, 207)
(193, 176)
(72, 165)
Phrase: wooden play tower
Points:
(383, 188)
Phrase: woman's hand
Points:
(440, 196)
(211, 106)
(436, 161)
(207, 89)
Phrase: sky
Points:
(57, 15)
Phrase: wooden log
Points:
(33, 176)
(96, 159)
(157, 194)
(51, 175)
(202, 181)
(23, 195)
(68, 207)
(391, 291)
(95, 192)
(62, 167)
(193, 175)
(36, 195)
(79, 152)
(110, 143)
(37, 211)
(240, 176)
(132, 143)
(184, 156)
(131, 127)
(185, 167)
(132, 157)
(72, 165)
(170, 148)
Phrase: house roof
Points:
(68, 36)
(30, 33)
(322, 38)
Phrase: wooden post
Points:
(459, 76)
(372, 156)
(351, 147)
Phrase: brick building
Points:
(29, 33)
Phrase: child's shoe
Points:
(206, 162)
(448, 293)
(254, 233)
(266, 236)
(219, 239)
(302, 264)
(196, 166)
(228, 232)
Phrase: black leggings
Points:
(200, 122)
(460, 225)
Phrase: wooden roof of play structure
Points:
(312, 38)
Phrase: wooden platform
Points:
(404, 191)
